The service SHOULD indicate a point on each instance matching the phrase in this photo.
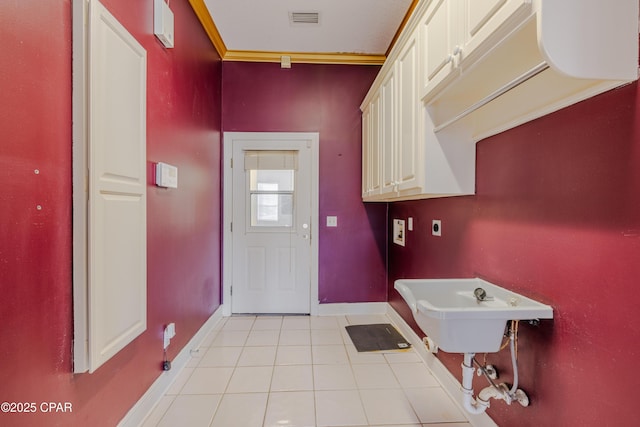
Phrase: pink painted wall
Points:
(556, 217)
(183, 124)
(325, 99)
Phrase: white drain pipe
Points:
(501, 391)
(473, 406)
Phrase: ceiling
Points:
(339, 31)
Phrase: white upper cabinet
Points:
(452, 30)
(463, 70)
(392, 155)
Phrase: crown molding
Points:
(305, 58)
(210, 28)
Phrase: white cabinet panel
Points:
(479, 12)
(440, 32)
(388, 132)
(408, 148)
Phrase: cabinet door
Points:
(482, 20)
(366, 143)
(479, 12)
(371, 149)
(388, 132)
(374, 146)
(440, 32)
(407, 115)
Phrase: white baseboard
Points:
(136, 415)
(340, 309)
(446, 379)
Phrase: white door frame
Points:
(227, 216)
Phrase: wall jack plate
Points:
(399, 232)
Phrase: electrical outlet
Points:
(436, 227)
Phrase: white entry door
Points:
(272, 224)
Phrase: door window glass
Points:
(271, 193)
(271, 178)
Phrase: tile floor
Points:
(257, 371)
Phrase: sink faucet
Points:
(480, 294)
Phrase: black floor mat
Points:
(377, 337)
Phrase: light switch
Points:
(332, 221)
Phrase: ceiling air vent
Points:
(304, 18)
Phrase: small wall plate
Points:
(436, 227)
(399, 232)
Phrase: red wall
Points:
(556, 217)
(325, 99)
(183, 128)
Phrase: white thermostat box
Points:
(163, 23)
(166, 175)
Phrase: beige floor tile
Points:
(433, 405)
(267, 323)
(414, 375)
(250, 379)
(220, 357)
(357, 357)
(329, 354)
(295, 337)
(374, 376)
(192, 411)
(339, 408)
(293, 355)
(291, 409)
(387, 406)
(296, 322)
(207, 381)
(326, 337)
(179, 382)
(333, 377)
(230, 338)
(240, 410)
(324, 322)
(409, 356)
(292, 378)
(257, 356)
(240, 323)
(262, 338)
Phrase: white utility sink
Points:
(457, 321)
